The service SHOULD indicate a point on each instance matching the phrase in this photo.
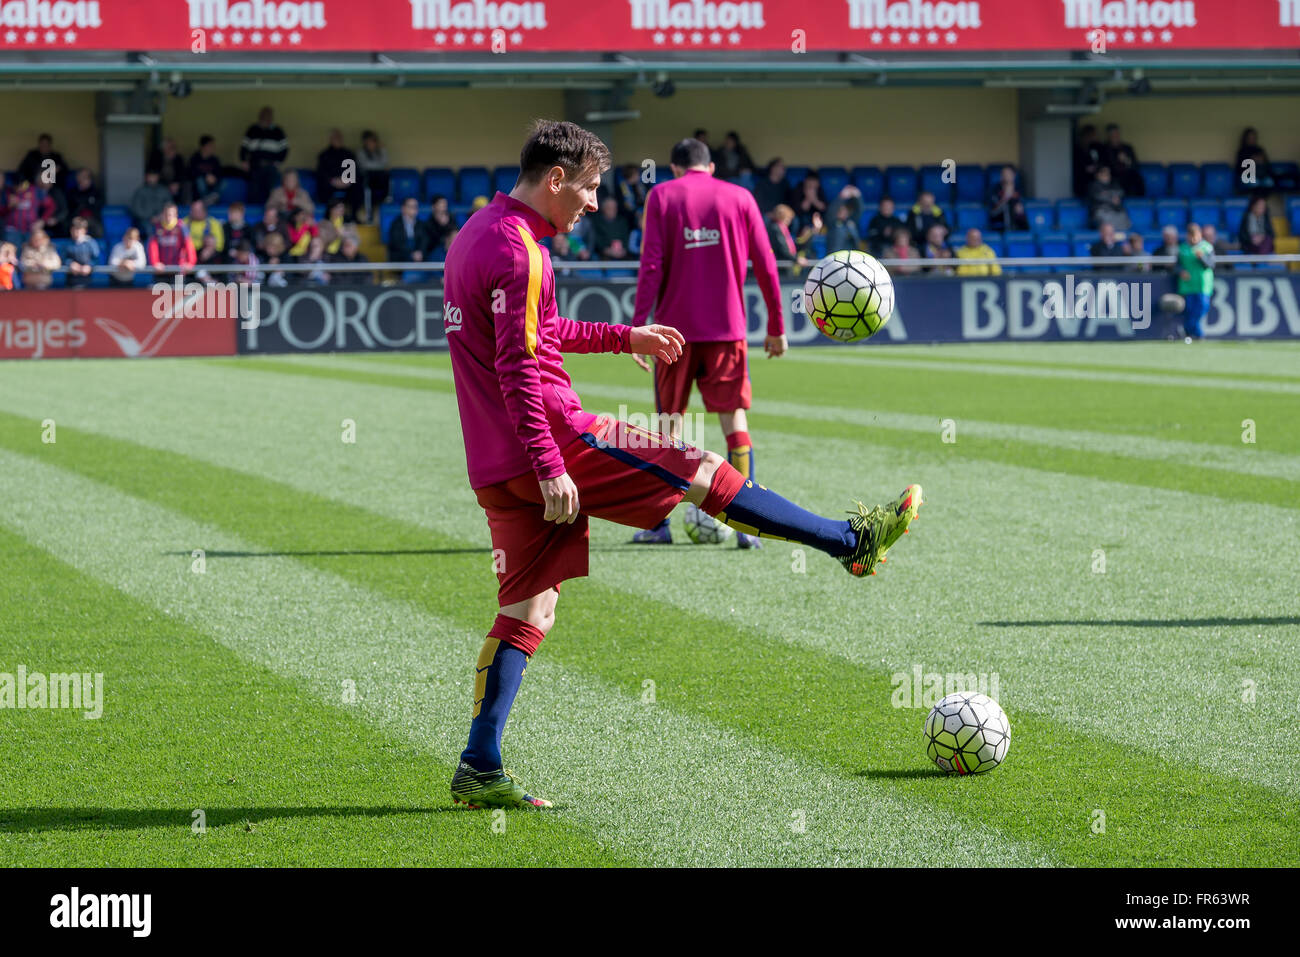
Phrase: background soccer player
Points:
(540, 465)
(699, 234)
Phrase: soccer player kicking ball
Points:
(699, 234)
(541, 466)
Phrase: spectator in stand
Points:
(39, 260)
(631, 193)
(1210, 233)
(8, 266)
(349, 252)
(1107, 245)
(170, 244)
(290, 195)
(842, 233)
(209, 255)
(372, 165)
(85, 200)
(315, 256)
(881, 228)
(1122, 161)
(703, 136)
(1135, 246)
(936, 247)
(200, 224)
(562, 252)
(732, 160)
(809, 200)
(771, 190)
(849, 199)
(337, 175)
(1261, 176)
(245, 256)
(237, 228)
(1087, 160)
(27, 206)
(408, 236)
(127, 259)
(440, 225)
(206, 172)
(277, 254)
(172, 171)
(785, 246)
(1106, 202)
(1195, 280)
(925, 214)
(302, 230)
(264, 147)
(269, 226)
(82, 254)
(1006, 205)
(902, 248)
(147, 202)
(44, 165)
(978, 257)
(333, 226)
(1256, 231)
(610, 232)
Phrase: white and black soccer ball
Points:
(967, 733)
(703, 529)
(848, 295)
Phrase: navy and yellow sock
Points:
(755, 510)
(497, 677)
(740, 453)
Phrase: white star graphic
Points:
(895, 37)
(1111, 36)
(50, 36)
(295, 37)
(715, 37)
(1147, 36)
(256, 37)
(236, 37)
(876, 36)
(1129, 36)
(70, 36)
(478, 38)
(30, 36)
(11, 37)
(516, 38)
(218, 38)
(678, 37)
(1166, 36)
(440, 38)
(659, 37)
(950, 36)
(275, 37)
(697, 37)
(914, 37)
(733, 37)
(458, 38)
(932, 37)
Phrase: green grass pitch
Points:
(1101, 537)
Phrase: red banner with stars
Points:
(647, 26)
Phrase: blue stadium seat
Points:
(1156, 179)
(116, 221)
(1286, 168)
(1020, 246)
(996, 244)
(11, 177)
(233, 189)
(1233, 211)
(1041, 214)
(1218, 180)
(970, 216)
(794, 175)
(1053, 244)
(504, 178)
(900, 183)
(871, 181)
(1184, 180)
(1292, 214)
(746, 179)
(404, 182)
(474, 182)
(970, 184)
(1141, 213)
(440, 181)
(1081, 243)
(819, 245)
(834, 179)
(307, 179)
(1171, 212)
(387, 213)
(1206, 212)
(1070, 215)
(932, 180)
(253, 213)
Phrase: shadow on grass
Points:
(34, 819)
(1148, 622)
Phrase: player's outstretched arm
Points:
(663, 342)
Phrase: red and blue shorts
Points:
(624, 474)
(720, 369)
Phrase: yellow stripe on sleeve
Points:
(534, 291)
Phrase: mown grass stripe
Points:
(812, 705)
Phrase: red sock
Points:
(518, 633)
(727, 481)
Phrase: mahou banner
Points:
(647, 26)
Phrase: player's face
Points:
(576, 198)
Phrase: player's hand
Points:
(663, 342)
(775, 346)
(641, 362)
(561, 498)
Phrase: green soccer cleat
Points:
(480, 789)
(878, 528)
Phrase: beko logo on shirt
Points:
(701, 237)
(451, 318)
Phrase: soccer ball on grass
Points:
(967, 733)
(848, 295)
(703, 529)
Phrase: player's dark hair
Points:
(567, 145)
(204, 140)
(690, 153)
